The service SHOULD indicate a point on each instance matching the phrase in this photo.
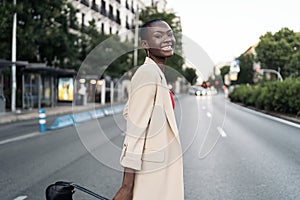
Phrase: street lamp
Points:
(13, 59)
(279, 77)
(136, 38)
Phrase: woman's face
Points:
(160, 39)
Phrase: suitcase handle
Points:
(83, 189)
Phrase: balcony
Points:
(118, 20)
(95, 7)
(85, 2)
(111, 16)
(103, 11)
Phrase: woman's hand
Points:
(124, 193)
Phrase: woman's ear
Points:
(145, 44)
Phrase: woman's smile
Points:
(167, 48)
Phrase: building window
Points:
(127, 24)
(95, 6)
(110, 30)
(111, 15)
(102, 28)
(132, 24)
(103, 8)
(132, 9)
(126, 4)
(118, 20)
(82, 19)
(85, 2)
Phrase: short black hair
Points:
(143, 32)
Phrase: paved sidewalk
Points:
(9, 117)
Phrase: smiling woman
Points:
(152, 155)
(157, 39)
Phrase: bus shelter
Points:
(45, 86)
(3, 64)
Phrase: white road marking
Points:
(21, 198)
(19, 138)
(222, 132)
(208, 114)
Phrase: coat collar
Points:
(151, 62)
(167, 101)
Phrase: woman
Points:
(152, 156)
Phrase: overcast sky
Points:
(227, 28)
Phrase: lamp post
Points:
(136, 39)
(279, 77)
(13, 59)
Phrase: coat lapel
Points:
(166, 98)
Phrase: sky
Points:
(227, 28)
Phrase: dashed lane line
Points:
(222, 132)
(208, 114)
(19, 138)
(21, 198)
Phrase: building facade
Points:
(113, 16)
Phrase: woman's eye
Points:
(170, 34)
(158, 36)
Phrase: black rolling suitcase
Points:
(62, 190)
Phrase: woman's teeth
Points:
(167, 48)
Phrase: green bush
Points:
(253, 96)
(277, 96)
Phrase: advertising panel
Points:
(65, 89)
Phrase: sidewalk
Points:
(9, 117)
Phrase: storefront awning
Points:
(40, 69)
(7, 63)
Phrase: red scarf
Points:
(172, 99)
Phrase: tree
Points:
(54, 44)
(90, 37)
(43, 32)
(190, 75)
(224, 70)
(275, 51)
(293, 67)
(246, 69)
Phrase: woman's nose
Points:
(168, 38)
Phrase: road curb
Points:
(74, 119)
(275, 116)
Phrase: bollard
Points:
(42, 120)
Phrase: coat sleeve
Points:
(139, 109)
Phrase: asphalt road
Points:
(20, 128)
(229, 153)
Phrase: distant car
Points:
(211, 90)
(197, 90)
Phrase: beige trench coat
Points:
(152, 146)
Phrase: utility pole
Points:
(13, 59)
(136, 39)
